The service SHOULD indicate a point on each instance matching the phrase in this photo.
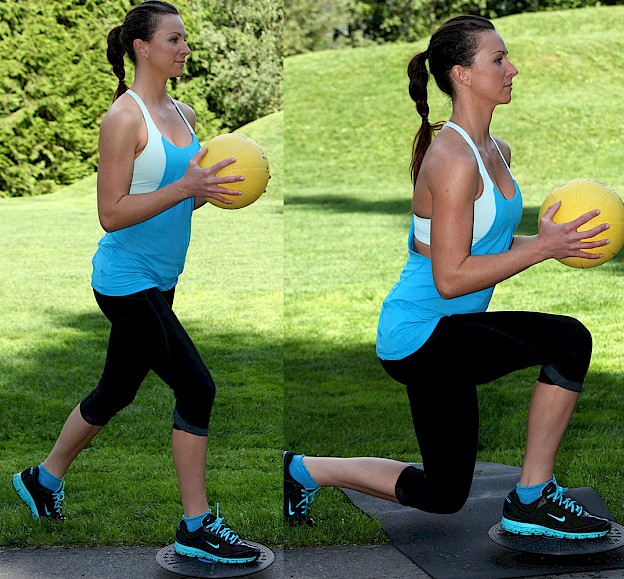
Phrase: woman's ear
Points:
(461, 75)
(140, 48)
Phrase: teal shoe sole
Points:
(23, 493)
(194, 552)
(528, 529)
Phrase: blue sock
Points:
(300, 473)
(194, 523)
(531, 494)
(49, 481)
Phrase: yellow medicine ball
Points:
(583, 195)
(251, 163)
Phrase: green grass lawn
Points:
(285, 310)
(348, 134)
(122, 490)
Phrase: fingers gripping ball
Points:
(251, 163)
(583, 195)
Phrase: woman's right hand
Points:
(561, 240)
(203, 182)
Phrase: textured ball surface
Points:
(251, 163)
(583, 195)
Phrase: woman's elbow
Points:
(108, 223)
(447, 288)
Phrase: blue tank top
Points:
(152, 253)
(412, 309)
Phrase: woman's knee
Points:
(100, 406)
(415, 489)
(194, 406)
(578, 335)
(571, 358)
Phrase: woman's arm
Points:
(453, 186)
(119, 140)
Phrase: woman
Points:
(434, 335)
(149, 183)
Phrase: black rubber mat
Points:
(458, 545)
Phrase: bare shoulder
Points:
(449, 161)
(188, 112)
(123, 128)
(124, 114)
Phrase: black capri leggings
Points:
(441, 378)
(146, 335)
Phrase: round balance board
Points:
(168, 559)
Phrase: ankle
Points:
(530, 493)
(48, 480)
(299, 471)
(195, 523)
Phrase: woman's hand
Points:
(203, 183)
(561, 240)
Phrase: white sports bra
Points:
(484, 206)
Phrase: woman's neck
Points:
(474, 120)
(153, 91)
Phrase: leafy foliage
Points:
(58, 83)
(56, 86)
(351, 22)
(314, 25)
(236, 62)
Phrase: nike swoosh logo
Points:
(45, 508)
(560, 519)
(290, 511)
(213, 545)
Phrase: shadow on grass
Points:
(340, 402)
(347, 203)
(40, 386)
(398, 206)
(46, 382)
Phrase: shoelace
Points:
(59, 497)
(218, 528)
(565, 502)
(308, 496)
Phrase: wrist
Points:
(538, 252)
(184, 188)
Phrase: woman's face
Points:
(167, 50)
(492, 72)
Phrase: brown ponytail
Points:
(455, 42)
(418, 79)
(115, 54)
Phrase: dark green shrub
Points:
(58, 84)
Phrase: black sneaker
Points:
(552, 515)
(41, 501)
(297, 499)
(213, 541)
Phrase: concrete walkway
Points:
(347, 562)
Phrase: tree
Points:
(314, 25)
(236, 63)
(58, 83)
